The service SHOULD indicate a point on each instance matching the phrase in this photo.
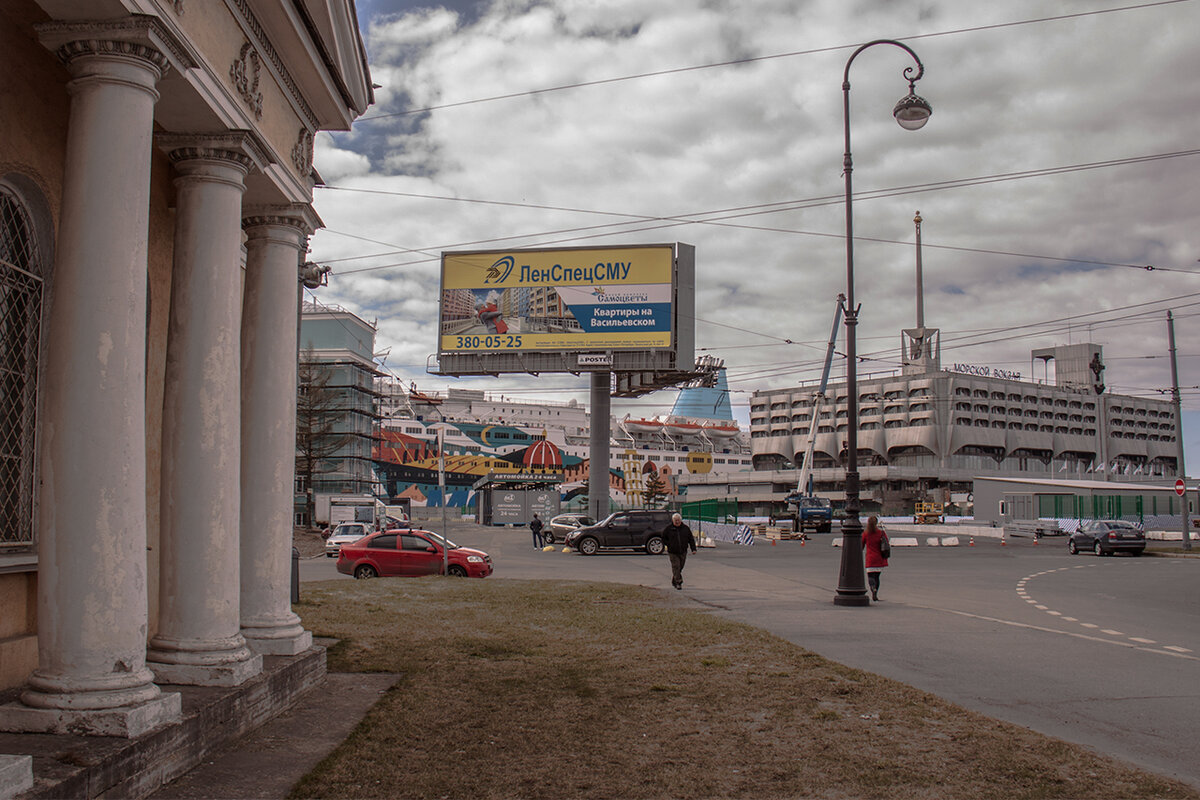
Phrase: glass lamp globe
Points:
(912, 112)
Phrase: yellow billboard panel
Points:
(601, 298)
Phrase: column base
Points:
(125, 721)
(273, 642)
(232, 674)
(192, 662)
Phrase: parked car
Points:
(558, 527)
(1107, 536)
(345, 533)
(409, 553)
(638, 529)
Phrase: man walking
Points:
(678, 538)
(535, 525)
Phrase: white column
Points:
(92, 597)
(199, 641)
(275, 242)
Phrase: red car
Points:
(407, 553)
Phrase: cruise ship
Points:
(490, 433)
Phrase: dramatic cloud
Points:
(1063, 135)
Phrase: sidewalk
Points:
(267, 762)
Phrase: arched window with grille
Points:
(21, 290)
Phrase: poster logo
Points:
(499, 272)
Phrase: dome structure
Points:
(543, 455)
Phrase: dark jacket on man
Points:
(678, 538)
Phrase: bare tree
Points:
(319, 409)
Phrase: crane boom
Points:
(818, 400)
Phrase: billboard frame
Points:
(678, 356)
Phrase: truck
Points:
(341, 508)
(813, 513)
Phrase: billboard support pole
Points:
(598, 457)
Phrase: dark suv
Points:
(625, 530)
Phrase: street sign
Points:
(1179, 487)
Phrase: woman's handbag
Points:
(885, 547)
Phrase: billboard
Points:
(569, 300)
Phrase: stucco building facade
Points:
(156, 183)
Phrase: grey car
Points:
(557, 529)
(1107, 536)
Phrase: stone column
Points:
(199, 641)
(92, 597)
(276, 238)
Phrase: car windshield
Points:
(814, 502)
(439, 539)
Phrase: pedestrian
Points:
(874, 539)
(678, 538)
(535, 525)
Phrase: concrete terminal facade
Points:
(928, 432)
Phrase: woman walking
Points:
(873, 539)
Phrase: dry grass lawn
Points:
(523, 689)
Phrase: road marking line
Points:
(1111, 632)
(1089, 625)
(1142, 641)
(1059, 614)
(1041, 608)
(1070, 619)
(1164, 652)
(1176, 649)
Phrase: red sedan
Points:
(406, 553)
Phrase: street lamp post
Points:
(911, 112)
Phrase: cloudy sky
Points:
(1060, 161)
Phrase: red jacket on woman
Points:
(870, 543)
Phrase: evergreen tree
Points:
(655, 491)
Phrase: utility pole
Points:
(1175, 401)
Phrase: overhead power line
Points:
(722, 217)
(753, 59)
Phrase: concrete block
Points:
(233, 674)
(933, 541)
(16, 775)
(127, 721)
(904, 541)
(950, 541)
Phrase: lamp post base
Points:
(851, 600)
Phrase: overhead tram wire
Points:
(742, 212)
(753, 59)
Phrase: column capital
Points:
(301, 216)
(243, 148)
(138, 35)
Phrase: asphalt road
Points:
(1104, 652)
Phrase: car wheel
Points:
(1097, 548)
(588, 546)
(364, 572)
(548, 538)
(1072, 548)
(654, 545)
(455, 571)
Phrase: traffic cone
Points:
(1035, 539)
(1002, 542)
(972, 544)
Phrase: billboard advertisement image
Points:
(607, 298)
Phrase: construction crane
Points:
(811, 514)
